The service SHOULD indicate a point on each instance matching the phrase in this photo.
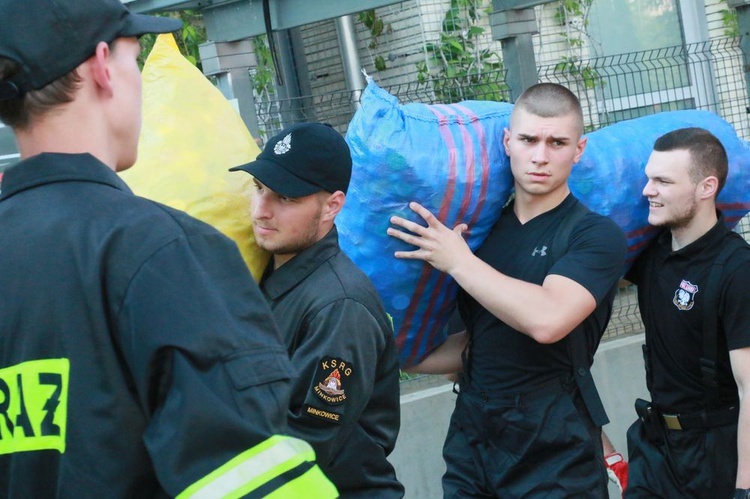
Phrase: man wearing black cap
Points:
(345, 401)
(137, 358)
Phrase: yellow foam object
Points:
(191, 136)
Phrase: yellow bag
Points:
(191, 136)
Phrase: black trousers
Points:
(686, 464)
(514, 446)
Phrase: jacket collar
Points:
(47, 168)
(277, 282)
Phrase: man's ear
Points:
(708, 187)
(100, 68)
(580, 147)
(333, 205)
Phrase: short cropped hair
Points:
(707, 154)
(18, 113)
(550, 100)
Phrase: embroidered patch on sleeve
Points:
(331, 380)
(333, 417)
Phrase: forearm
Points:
(740, 361)
(743, 445)
(546, 313)
(446, 359)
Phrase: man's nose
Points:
(539, 154)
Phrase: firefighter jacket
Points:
(137, 357)
(345, 401)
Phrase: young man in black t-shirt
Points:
(689, 444)
(522, 427)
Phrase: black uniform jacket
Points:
(345, 401)
(136, 354)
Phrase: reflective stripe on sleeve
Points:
(313, 483)
(257, 466)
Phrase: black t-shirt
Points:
(673, 316)
(505, 359)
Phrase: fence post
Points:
(514, 29)
(513, 22)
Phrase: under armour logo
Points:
(540, 252)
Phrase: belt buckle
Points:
(672, 421)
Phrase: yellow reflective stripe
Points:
(34, 406)
(252, 469)
(313, 483)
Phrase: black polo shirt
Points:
(345, 401)
(136, 354)
(503, 359)
(673, 317)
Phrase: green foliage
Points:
(458, 68)
(572, 8)
(573, 66)
(730, 22)
(576, 35)
(263, 78)
(377, 27)
(189, 38)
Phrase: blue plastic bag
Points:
(450, 158)
(610, 177)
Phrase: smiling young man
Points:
(693, 282)
(345, 401)
(527, 421)
(131, 332)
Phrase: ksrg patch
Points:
(331, 380)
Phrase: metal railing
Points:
(613, 88)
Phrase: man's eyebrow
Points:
(562, 138)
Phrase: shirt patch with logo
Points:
(684, 297)
(331, 380)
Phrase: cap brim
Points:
(139, 24)
(278, 179)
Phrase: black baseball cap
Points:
(303, 159)
(50, 38)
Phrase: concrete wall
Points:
(620, 377)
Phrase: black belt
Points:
(703, 420)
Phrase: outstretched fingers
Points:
(405, 224)
(411, 232)
(426, 214)
(435, 243)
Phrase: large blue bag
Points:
(450, 158)
(610, 177)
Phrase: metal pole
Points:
(347, 36)
(289, 92)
